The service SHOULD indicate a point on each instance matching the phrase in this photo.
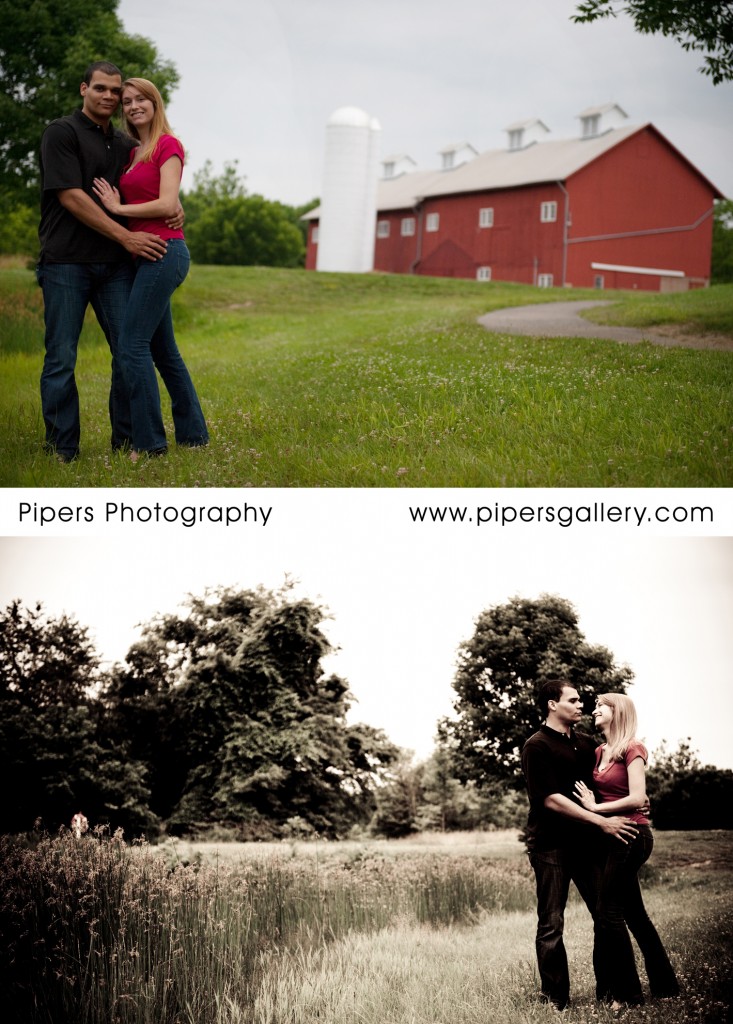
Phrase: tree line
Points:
(45, 46)
(220, 714)
(222, 720)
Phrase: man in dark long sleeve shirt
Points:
(562, 837)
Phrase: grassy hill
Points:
(326, 380)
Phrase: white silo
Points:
(347, 221)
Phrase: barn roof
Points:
(501, 168)
(506, 168)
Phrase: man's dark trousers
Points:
(554, 870)
(68, 288)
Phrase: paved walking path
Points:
(563, 320)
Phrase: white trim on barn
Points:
(652, 271)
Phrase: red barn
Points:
(618, 207)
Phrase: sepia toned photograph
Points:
(389, 785)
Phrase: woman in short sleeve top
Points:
(620, 788)
(148, 195)
(140, 183)
(612, 782)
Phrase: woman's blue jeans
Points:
(146, 342)
(68, 288)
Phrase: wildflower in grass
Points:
(79, 824)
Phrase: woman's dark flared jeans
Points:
(620, 904)
(147, 342)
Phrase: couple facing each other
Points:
(111, 237)
(588, 823)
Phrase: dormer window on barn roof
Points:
(598, 120)
(394, 166)
(525, 133)
(455, 155)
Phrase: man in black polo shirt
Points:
(85, 254)
(562, 837)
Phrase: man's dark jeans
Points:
(554, 870)
(68, 288)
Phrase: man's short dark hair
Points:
(105, 66)
(551, 690)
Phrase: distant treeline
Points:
(221, 720)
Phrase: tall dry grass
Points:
(98, 931)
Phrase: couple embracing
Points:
(111, 237)
(588, 824)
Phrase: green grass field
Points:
(432, 930)
(325, 380)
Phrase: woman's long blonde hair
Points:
(623, 725)
(158, 126)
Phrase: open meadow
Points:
(340, 380)
(438, 929)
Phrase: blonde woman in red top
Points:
(148, 192)
(620, 788)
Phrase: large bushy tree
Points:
(704, 26)
(229, 704)
(515, 647)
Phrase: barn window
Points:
(598, 281)
(383, 229)
(544, 280)
(314, 235)
(548, 212)
(483, 274)
(486, 217)
(433, 222)
(407, 227)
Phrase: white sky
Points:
(402, 601)
(260, 78)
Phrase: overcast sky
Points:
(260, 78)
(402, 601)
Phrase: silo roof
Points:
(351, 117)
